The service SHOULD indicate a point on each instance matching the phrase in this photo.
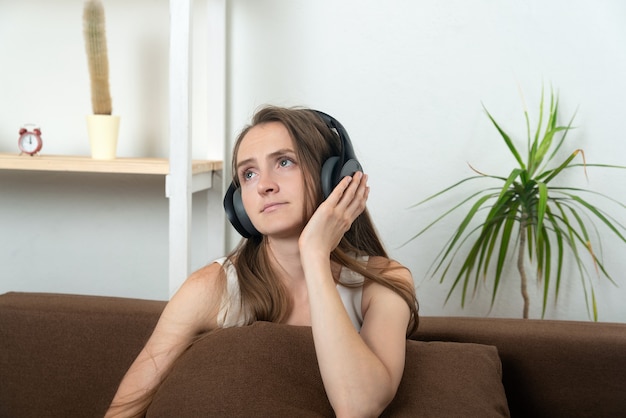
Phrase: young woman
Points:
(311, 257)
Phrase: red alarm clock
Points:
(30, 141)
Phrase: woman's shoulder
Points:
(209, 275)
(385, 265)
(198, 299)
(391, 271)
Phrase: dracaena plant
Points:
(528, 215)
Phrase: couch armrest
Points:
(550, 368)
(64, 355)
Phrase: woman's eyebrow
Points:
(270, 156)
(245, 162)
(280, 152)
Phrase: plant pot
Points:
(103, 131)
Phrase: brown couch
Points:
(64, 355)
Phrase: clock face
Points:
(30, 143)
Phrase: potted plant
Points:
(530, 215)
(102, 126)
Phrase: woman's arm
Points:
(191, 311)
(361, 372)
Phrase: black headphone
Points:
(333, 170)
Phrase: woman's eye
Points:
(285, 162)
(247, 175)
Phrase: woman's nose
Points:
(267, 184)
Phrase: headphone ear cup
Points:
(236, 214)
(328, 175)
(243, 217)
(332, 175)
(349, 168)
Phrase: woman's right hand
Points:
(334, 217)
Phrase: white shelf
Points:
(201, 170)
(81, 164)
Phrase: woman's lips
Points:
(272, 206)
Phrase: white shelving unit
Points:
(183, 176)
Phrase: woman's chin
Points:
(285, 232)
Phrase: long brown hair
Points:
(263, 295)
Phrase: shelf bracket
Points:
(199, 182)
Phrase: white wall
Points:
(406, 78)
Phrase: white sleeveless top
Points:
(231, 314)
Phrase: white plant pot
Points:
(103, 131)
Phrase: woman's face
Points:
(271, 180)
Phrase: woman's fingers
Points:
(337, 194)
(352, 196)
(356, 192)
(337, 213)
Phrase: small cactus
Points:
(97, 59)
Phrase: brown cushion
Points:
(261, 370)
(444, 379)
(270, 370)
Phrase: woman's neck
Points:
(285, 256)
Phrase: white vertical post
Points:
(216, 114)
(179, 179)
(216, 77)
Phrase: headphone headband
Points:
(347, 152)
